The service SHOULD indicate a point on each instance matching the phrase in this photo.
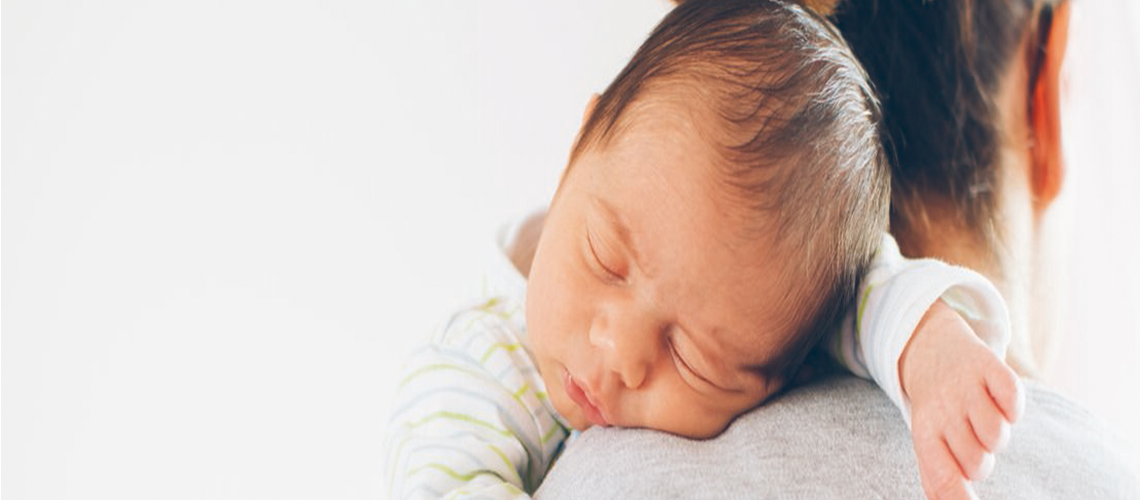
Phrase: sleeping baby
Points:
(723, 213)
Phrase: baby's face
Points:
(647, 305)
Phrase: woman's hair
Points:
(937, 67)
(789, 112)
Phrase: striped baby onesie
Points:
(472, 418)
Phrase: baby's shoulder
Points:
(495, 318)
(489, 333)
(480, 351)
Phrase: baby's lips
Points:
(582, 399)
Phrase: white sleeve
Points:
(894, 296)
(469, 420)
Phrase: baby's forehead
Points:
(674, 138)
(697, 262)
(699, 160)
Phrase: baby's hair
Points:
(794, 122)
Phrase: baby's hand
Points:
(963, 400)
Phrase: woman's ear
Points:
(1048, 169)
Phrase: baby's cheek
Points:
(543, 316)
(704, 416)
(539, 326)
(678, 409)
(698, 426)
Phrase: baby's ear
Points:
(589, 108)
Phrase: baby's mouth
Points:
(582, 398)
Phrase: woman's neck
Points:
(1003, 258)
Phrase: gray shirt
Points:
(841, 437)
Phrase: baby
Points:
(723, 212)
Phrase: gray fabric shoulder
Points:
(839, 438)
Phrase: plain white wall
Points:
(225, 222)
(1098, 359)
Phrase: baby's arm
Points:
(933, 336)
(468, 419)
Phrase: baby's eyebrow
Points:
(625, 236)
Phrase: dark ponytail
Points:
(937, 66)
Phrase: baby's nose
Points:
(629, 347)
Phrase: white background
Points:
(225, 222)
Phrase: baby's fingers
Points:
(972, 458)
(989, 425)
(941, 477)
(1005, 389)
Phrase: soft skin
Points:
(645, 294)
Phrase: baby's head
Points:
(723, 198)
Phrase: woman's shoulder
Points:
(840, 437)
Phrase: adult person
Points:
(970, 93)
